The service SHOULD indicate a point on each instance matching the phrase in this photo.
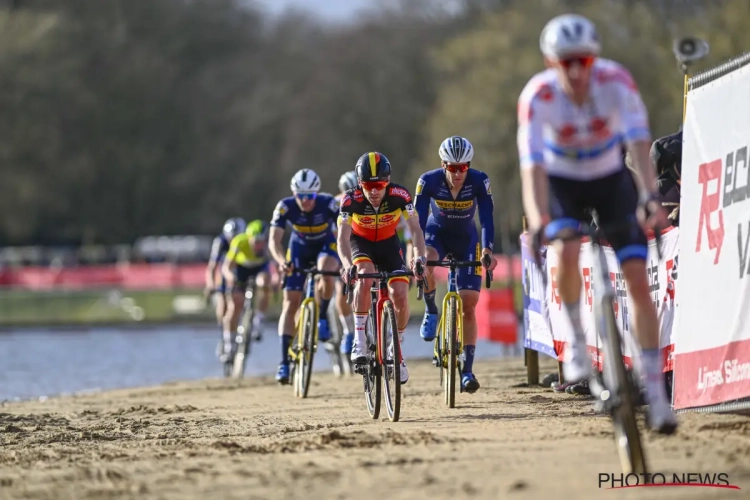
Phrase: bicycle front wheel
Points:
(244, 337)
(627, 435)
(451, 332)
(391, 352)
(306, 348)
(371, 373)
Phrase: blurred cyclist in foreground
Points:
(572, 119)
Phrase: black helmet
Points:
(373, 167)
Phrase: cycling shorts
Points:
(304, 255)
(615, 200)
(243, 274)
(463, 246)
(386, 254)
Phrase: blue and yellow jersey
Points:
(242, 253)
(307, 226)
(435, 204)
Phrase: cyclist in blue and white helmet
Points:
(219, 248)
(447, 218)
(456, 150)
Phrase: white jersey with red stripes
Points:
(580, 142)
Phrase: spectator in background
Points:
(666, 154)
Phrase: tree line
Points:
(127, 118)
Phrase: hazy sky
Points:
(332, 10)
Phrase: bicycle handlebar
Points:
(453, 263)
(381, 276)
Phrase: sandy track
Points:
(255, 440)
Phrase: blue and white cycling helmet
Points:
(233, 227)
(568, 35)
(456, 149)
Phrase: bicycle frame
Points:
(299, 339)
(442, 334)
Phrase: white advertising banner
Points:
(712, 357)
(546, 325)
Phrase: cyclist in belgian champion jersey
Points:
(311, 215)
(573, 118)
(447, 200)
(367, 238)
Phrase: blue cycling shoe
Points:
(469, 382)
(324, 333)
(346, 343)
(282, 375)
(429, 326)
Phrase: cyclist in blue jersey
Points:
(311, 215)
(346, 315)
(447, 200)
(219, 248)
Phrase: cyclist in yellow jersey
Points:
(247, 258)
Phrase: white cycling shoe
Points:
(404, 373)
(661, 418)
(577, 367)
(359, 353)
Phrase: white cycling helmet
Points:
(456, 149)
(569, 34)
(348, 181)
(305, 181)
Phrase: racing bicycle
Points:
(449, 342)
(305, 342)
(235, 366)
(381, 332)
(618, 393)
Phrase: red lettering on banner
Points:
(554, 289)
(710, 203)
(588, 294)
(615, 304)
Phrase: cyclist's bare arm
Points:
(535, 194)
(640, 156)
(275, 245)
(227, 269)
(417, 237)
(343, 245)
(210, 274)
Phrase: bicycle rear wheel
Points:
(451, 332)
(617, 380)
(391, 361)
(306, 348)
(371, 373)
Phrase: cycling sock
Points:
(653, 373)
(258, 318)
(347, 323)
(227, 336)
(360, 320)
(469, 358)
(574, 313)
(286, 341)
(324, 308)
(429, 300)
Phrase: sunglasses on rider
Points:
(374, 185)
(305, 196)
(582, 61)
(456, 167)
